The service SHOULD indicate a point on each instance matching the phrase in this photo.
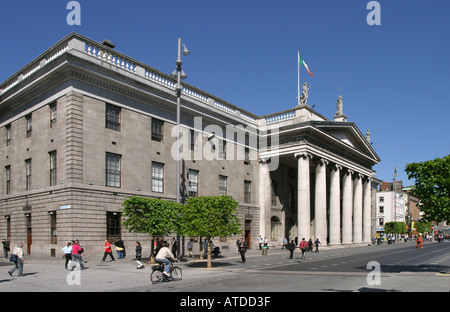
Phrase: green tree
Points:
(395, 228)
(151, 216)
(432, 185)
(423, 226)
(209, 217)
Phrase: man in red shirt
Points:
(303, 247)
(108, 251)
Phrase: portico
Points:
(330, 171)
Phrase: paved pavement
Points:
(48, 274)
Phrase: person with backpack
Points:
(18, 259)
(77, 250)
(303, 247)
(291, 248)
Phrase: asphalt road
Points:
(385, 268)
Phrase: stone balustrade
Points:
(108, 55)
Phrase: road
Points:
(398, 267)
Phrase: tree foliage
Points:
(432, 185)
(208, 217)
(395, 227)
(152, 216)
(423, 226)
(211, 216)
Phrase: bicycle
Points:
(157, 276)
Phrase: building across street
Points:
(84, 126)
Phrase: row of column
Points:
(356, 204)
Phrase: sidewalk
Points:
(48, 274)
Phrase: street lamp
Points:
(179, 74)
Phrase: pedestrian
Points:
(317, 243)
(303, 247)
(243, 249)
(77, 250)
(157, 246)
(260, 242)
(310, 245)
(266, 241)
(120, 248)
(139, 255)
(108, 251)
(291, 248)
(190, 248)
(205, 248)
(174, 246)
(419, 242)
(67, 250)
(285, 243)
(18, 259)
(5, 247)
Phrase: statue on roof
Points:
(304, 96)
(340, 110)
(340, 106)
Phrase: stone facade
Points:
(84, 161)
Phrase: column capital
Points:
(323, 161)
(336, 167)
(348, 172)
(264, 160)
(303, 155)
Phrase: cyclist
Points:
(162, 257)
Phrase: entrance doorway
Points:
(29, 236)
(248, 233)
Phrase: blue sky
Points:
(393, 77)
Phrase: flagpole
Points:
(298, 77)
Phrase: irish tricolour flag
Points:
(302, 62)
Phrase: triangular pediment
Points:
(348, 134)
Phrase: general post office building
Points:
(84, 126)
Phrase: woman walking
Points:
(67, 250)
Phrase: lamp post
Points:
(179, 74)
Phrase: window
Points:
(381, 199)
(113, 117)
(222, 185)
(113, 228)
(112, 170)
(157, 177)
(274, 193)
(52, 114)
(8, 135)
(247, 156)
(157, 130)
(193, 183)
(52, 168)
(29, 125)
(8, 179)
(381, 221)
(28, 174)
(192, 139)
(247, 192)
(381, 209)
(223, 149)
